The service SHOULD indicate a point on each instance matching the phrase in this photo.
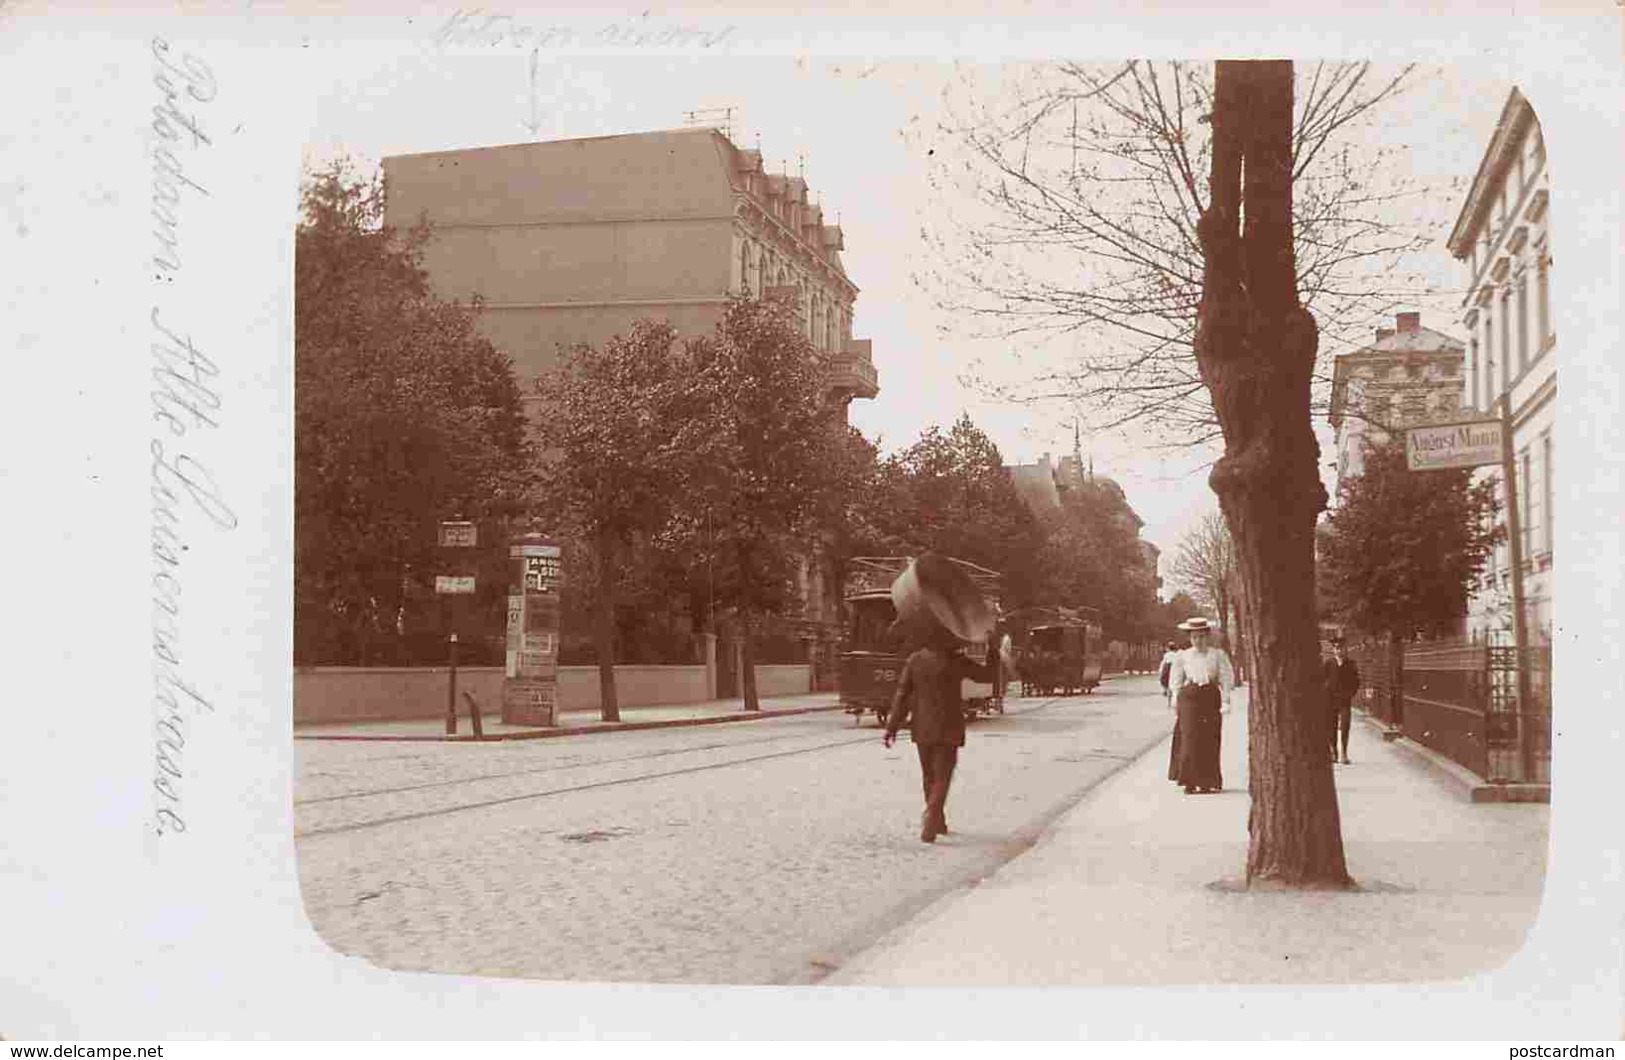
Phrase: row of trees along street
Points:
(688, 477)
(1201, 238)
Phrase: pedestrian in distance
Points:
(1007, 663)
(1200, 680)
(1165, 669)
(1342, 679)
(928, 699)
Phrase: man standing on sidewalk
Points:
(1342, 680)
(928, 693)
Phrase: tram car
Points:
(1062, 651)
(872, 652)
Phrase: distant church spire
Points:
(1077, 449)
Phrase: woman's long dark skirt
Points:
(1196, 738)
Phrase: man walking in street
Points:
(928, 698)
(1342, 679)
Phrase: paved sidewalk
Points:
(574, 722)
(1119, 890)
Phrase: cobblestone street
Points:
(765, 852)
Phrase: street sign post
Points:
(454, 534)
(458, 533)
(1478, 443)
(1442, 446)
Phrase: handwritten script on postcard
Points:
(496, 30)
(185, 407)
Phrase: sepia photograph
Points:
(672, 457)
(780, 524)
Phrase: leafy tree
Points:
(1171, 612)
(1402, 549)
(757, 438)
(608, 423)
(949, 492)
(404, 415)
(1085, 186)
(1092, 556)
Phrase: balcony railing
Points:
(852, 369)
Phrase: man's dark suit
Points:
(928, 693)
(1342, 681)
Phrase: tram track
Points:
(597, 762)
(856, 737)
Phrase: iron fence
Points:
(1446, 702)
(1460, 699)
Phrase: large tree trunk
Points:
(609, 707)
(1255, 348)
(747, 661)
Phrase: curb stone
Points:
(569, 730)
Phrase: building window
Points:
(1489, 362)
(744, 267)
(1472, 371)
(1526, 505)
(1546, 486)
(1543, 317)
(1506, 341)
(1416, 408)
(1523, 322)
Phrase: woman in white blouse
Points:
(1199, 681)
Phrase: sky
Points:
(844, 124)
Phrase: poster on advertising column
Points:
(530, 685)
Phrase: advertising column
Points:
(530, 688)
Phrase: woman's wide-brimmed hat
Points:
(1196, 625)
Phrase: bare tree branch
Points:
(1084, 184)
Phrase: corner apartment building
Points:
(571, 241)
(1410, 375)
(1500, 239)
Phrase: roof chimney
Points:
(1408, 321)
